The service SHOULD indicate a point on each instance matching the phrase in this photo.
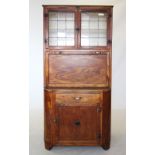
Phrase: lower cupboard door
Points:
(78, 125)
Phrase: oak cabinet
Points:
(77, 75)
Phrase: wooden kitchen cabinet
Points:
(77, 75)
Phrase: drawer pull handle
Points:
(78, 98)
(60, 52)
(97, 52)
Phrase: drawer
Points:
(76, 98)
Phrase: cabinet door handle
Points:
(57, 52)
(60, 52)
(77, 98)
(97, 52)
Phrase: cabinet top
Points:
(104, 6)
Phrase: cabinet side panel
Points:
(47, 120)
(106, 121)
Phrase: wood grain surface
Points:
(77, 71)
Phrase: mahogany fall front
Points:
(77, 75)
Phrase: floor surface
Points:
(118, 138)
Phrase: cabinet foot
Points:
(48, 146)
(106, 147)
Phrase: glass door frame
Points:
(98, 9)
(66, 9)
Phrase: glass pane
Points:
(53, 16)
(69, 24)
(53, 41)
(94, 33)
(61, 16)
(70, 41)
(85, 41)
(61, 29)
(93, 16)
(102, 24)
(69, 16)
(84, 33)
(102, 33)
(61, 33)
(61, 41)
(53, 25)
(102, 41)
(93, 29)
(93, 42)
(93, 24)
(61, 24)
(85, 25)
(53, 33)
(70, 33)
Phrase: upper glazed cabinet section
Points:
(75, 27)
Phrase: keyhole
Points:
(77, 123)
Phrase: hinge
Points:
(45, 41)
(110, 15)
(98, 136)
(46, 15)
(109, 41)
(99, 109)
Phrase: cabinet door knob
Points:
(77, 123)
(55, 120)
(77, 29)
